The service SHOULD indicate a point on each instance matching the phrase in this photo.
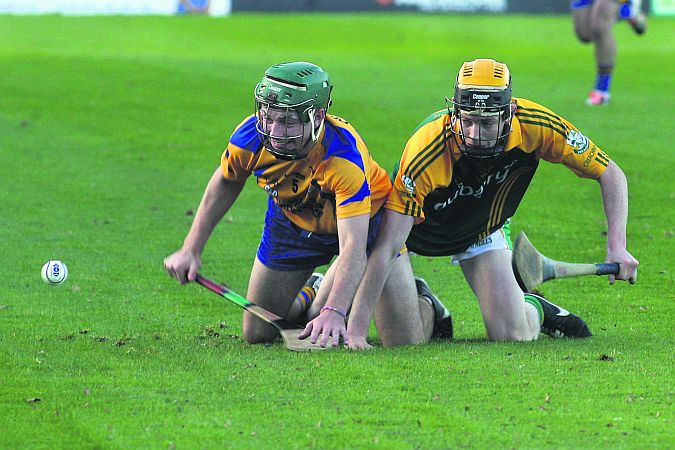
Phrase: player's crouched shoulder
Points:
(341, 135)
(532, 111)
(338, 121)
(436, 119)
(343, 124)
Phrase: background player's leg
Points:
(582, 24)
(631, 10)
(273, 290)
(506, 315)
(603, 14)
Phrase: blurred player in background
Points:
(325, 195)
(193, 6)
(594, 22)
(462, 176)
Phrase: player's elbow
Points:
(613, 175)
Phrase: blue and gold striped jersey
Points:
(337, 179)
(459, 200)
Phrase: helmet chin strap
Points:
(315, 132)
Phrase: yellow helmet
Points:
(484, 74)
(482, 88)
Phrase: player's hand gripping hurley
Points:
(532, 268)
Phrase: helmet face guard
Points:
(481, 108)
(287, 102)
(283, 132)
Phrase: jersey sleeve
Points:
(561, 142)
(358, 183)
(414, 177)
(351, 187)
(236, 160)
(380, 186)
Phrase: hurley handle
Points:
(607, 269)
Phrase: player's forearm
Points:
(218, 197)
(369, 293)
(393, 232)
(614, 189)
(348, 274)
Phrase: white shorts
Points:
(496, 241)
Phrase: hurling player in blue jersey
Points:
(594, 22)
(325, 195)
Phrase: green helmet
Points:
(301, 87)
(297, 85)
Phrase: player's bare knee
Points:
(256, 334)
(257, 338)
(584, 35)
(585, 38)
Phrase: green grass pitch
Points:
(109, 130)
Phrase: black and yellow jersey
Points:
(337, 179)
(458, 200)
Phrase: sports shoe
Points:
(596, 98)
(639, 23)
(560, 323)
(442, 317)
(634, 15)
(314, 281)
